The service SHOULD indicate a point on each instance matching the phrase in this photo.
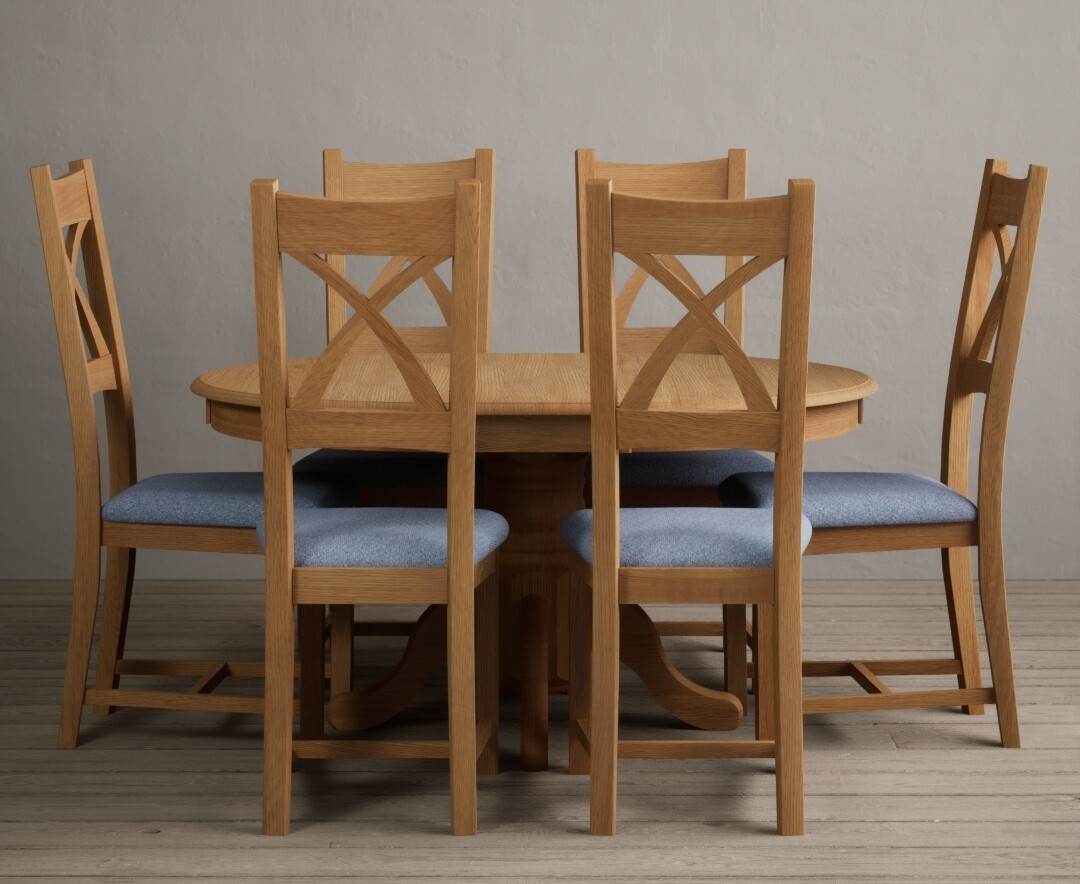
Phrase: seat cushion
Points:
(683, 537)
(219, 500)
(383, 469)
(850, 500)
(684, 469)
(385, 537)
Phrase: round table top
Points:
(525, 384)
(536, 401)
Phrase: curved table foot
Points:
(368, 706)
(640, 649)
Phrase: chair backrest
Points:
(988, 329)
(719, 179)
(347, 180)
(314, 414)
(87, 329)
(651, 232)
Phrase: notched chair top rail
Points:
(679, 181)
(703, 227)
(1007, 196)
(72, 198)
(404, 180)
(365, 227)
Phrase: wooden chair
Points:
(398, 478)
(676, 478)
(209, 512)
(692, 555)
(869, 512)
(373, 555)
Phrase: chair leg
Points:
(578, 689)
(312, 672)
(341, 649)
(534, 682)
(996, 623)
(461, 678)
(735, 651)
(604, 712)
(487, 670)
(119, 575)
(787, 653)
(765, 672)
(278, 705)
(960, 596)
(84, 600)
(778, 639)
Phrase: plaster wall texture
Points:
(890, 106)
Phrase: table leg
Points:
(535, 642)
(425, 654)
(642, 651)
(534, 492)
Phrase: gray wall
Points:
(891, 106)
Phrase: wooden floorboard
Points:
(909, 795)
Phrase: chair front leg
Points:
(119, 576)
(278, 704)
(604, 711)
(960, 597)
(533, 666)
(578, 689)
(461, 688)
(765, 672)
(487, 670)
(312, 672)
(341, 649)
(787, 653)
(735, 648)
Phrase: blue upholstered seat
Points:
(848, 500)
(383, 469)
(684, 469)
(683, 537)
(219, 500)
(384, 537)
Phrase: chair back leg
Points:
(996, 623)
(84, 601)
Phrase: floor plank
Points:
(913, 794)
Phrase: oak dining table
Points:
(533, 435)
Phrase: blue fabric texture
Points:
(383, 469)
(684, 469)
(849, 500)
(384, 537)
(683, 537)
(219, 500)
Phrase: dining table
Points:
(532, 432)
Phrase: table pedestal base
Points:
(535, 492)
